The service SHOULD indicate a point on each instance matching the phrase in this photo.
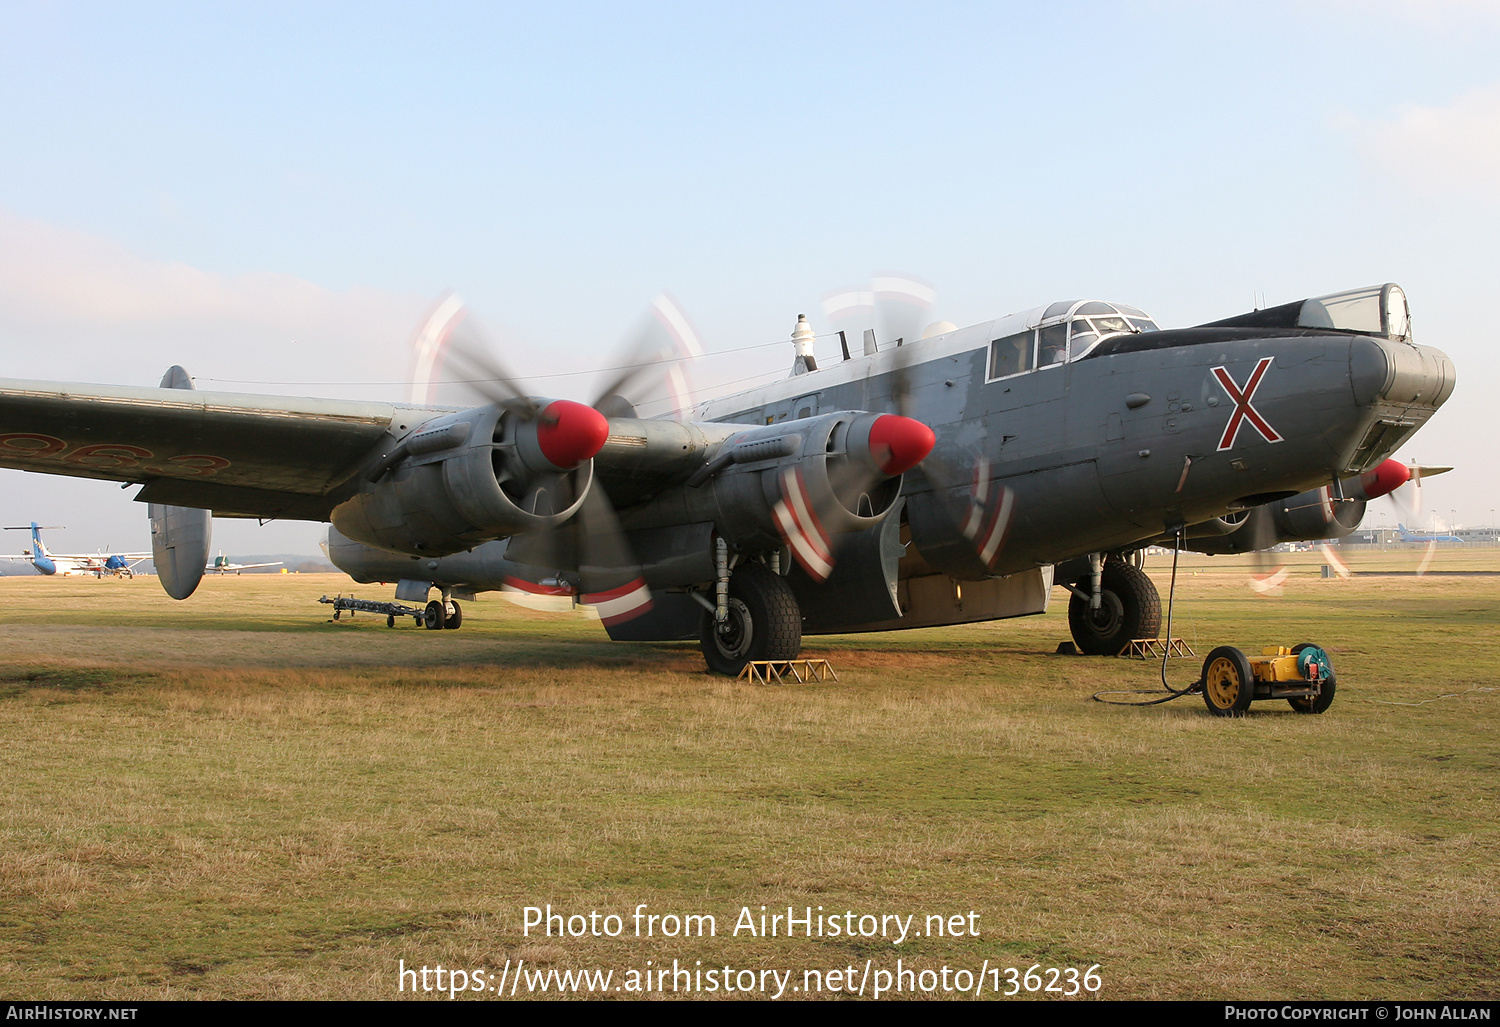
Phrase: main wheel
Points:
(455, 619)
(1228, 683)
(432, 617)
(764, 623)
(1129, 607)
(1324, 699)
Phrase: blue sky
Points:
(276, 192)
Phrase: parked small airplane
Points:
(97, 564)
(221, 565)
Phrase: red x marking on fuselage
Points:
(1243, 410)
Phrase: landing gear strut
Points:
(1129, 608)
(764, 622)
(435, 617)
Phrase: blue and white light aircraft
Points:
(97, 564)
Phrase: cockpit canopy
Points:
(1067, 330)
(1373, 310)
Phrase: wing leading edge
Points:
(237, 454)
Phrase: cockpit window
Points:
(1012, 355)
(1376, 310)
(1079, 344)
(1067, 338)
(1052, 345)
(1105, 319)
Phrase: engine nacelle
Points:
(475, 476)
(840, 472)
(1305, 517)
(847, 468)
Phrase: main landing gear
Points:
(764, 622)
(435, 618)
(1129, 608)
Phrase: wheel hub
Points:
(736, 634)
(1222, 683)
(1105, 621)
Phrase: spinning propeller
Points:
(897, 306)
(544, 449)
(1401, 483)
(971, 503)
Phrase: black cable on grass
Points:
(1172, 693)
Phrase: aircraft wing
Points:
(98, 557)
(233, 453)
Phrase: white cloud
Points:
(75, 306)
(1453, 149)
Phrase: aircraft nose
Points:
(1397, 387)
(1400, 373)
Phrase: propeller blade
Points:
(1333, 560)
(1268, 572)
(471, 360)
(652, 379)
(611, 580)
(430, 346)
(903, 304)
(991, 508)
(973, 504)
(894, 304)
(800, 526)
(588, 559)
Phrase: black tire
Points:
(453, 622)
(1228, 682)
(1324, 698)
(432, 617)
(765, 622)
(390, 620)
(1129, 608)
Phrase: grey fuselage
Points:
(1140, 434)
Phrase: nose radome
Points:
(1401, 373)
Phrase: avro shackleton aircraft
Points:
(945, 480)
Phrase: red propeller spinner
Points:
(570, 433)
(1384, 479)
(899, 443)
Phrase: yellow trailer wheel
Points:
(1228, 683)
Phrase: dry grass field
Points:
(233, 797)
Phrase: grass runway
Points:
(233, 797)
